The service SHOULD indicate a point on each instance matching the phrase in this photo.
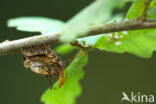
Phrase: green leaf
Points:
(71, 89)
(151, 13)
(36, 24)
(64, 49)
(89, 41)
(96, 13)
(139, 42)
(152, 4)
(136, 9)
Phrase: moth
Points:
(42, 60)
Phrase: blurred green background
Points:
(107, 75)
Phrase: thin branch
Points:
(123, 26)
(14, 46)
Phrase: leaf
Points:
(116, 18)
(71, 89)
(136, 9)
(36, 24)
(152, 4)
(96, 13)
(64, 49)
(139, 42)
(89, 41)
(151, 13)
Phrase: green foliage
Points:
(140, 42)
(136, 9)
(152, 4)
(96, 13)
(71, 88)
(36, 24)
(152, 10)
(89, 41)
(64, 49)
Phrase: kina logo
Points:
(138, 97)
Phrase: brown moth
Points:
(42, 60)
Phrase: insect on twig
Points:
(42, 60)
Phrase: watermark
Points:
(137, 97)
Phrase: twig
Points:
(7, 47)
(123, 26)
(13, 46)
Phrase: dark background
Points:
(107, 75)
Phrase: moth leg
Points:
(46, 46)
(23, 55)
(62, 78)
(53, 71)
(49, 52)
(57, 76)
(22, 51)
(70, 60)
(31, 49)
(49, 79)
